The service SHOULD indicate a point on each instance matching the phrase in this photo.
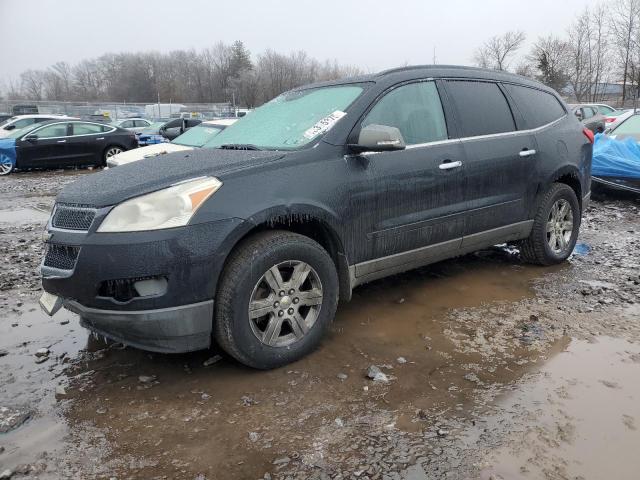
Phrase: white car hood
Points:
(145, 152)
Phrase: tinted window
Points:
(23, 122)
(537, 107)
(141, 123)
(415, 110)
(482, 108)
(587, 112)
(87, 128)
(127, 124)
(52, 131)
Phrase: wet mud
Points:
(491, 369)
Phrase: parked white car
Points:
(20, 121)
(132, 124)
(195, 137)
(617, 118)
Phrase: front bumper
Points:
(180, 329)
(189, 260)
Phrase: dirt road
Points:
(492, 369)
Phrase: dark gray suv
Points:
(252, 241)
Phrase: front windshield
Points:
(197, 136)
(7, 120)
(290, 120)
(629, 128)
(19, 132)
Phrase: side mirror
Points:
(9, 127)
(379, 138)
(31, 138)
(579, 114)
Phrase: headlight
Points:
(171, 207)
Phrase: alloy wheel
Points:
(285, 303)
(560, 226)
(6, 165)
(112, 152)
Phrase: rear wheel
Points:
(276, 299)
(110, 152)
(6, 164)
(555, 227)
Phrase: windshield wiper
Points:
(238, 146)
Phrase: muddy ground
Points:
(495, 370)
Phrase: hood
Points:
(146, 152)
(113, 186)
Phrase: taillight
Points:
(589, 134)
(610, 119)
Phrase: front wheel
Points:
(276, 299)
(6, 165)
(555, 227)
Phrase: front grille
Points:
(62, 257)
(73, 217)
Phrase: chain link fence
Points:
(107, 111)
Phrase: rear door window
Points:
(415, 110)
(537, 107)
(87, 128)
(52, 131)
(481, 107)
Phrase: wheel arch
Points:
(569, 175)
(309, 220)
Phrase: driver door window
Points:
(415, 110)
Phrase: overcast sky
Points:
(371, 34)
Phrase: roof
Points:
(432, 71)
(40, 115)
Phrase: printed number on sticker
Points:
(324, 124)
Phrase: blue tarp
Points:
(615, 158)
(8, 150)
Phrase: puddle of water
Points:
(24, 216)
(27, 385)
(583, 417)
(193, 410)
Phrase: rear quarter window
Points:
(481, 107)
(537, 107)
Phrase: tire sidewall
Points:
(264, 356)
(564, 192)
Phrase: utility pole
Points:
(434, 55)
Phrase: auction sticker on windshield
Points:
(324, 124)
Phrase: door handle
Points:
(527, 153)
(62, 141)
(448, 165)
(101, 138)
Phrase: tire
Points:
(300, 320)
(6, 165)
(109, 152)
(550, 241)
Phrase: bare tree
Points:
(623, 25)
(496, 52)
(551, 57)
(32, 83)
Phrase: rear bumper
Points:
(180, 329)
